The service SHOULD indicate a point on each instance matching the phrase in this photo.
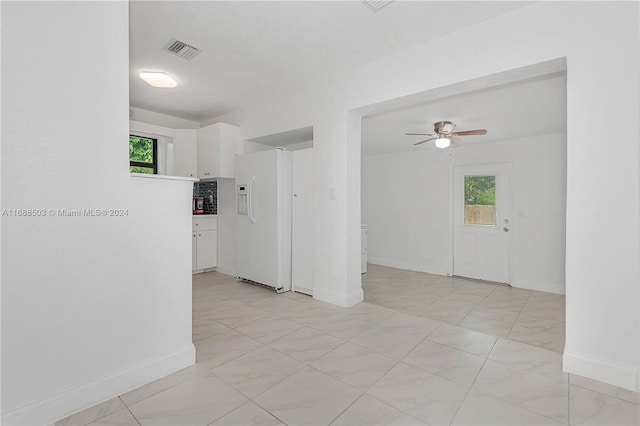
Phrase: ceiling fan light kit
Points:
(444, 134)
(442, 142)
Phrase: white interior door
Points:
(302, 229)
(481, 222)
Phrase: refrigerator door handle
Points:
(250, 215)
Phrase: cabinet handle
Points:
(199, 235)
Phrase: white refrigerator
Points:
(263, 218)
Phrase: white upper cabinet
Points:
(217, 146)
(184, 152)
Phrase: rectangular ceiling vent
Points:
(182, 49)
(376, 5)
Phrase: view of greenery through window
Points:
(480, 190)
(480, 200)
(142, 155)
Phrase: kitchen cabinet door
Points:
(217, 146)
(207, 249)
(184, 153)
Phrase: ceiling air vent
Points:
(376, 5)
(182, 49)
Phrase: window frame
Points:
(154, 164)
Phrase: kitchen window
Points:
(143, 155)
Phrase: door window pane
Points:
(480, 200)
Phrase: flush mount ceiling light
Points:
(158, 79)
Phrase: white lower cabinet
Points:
(204, 244)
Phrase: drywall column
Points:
(96, 281)
(337, 203)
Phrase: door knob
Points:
(505, 229)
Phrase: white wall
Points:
(152, 117)
(91, 306)
(603, 335)
(406, 201)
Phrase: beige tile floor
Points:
(421, 350)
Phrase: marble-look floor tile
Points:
(496, 313)
(430, 398)
(159, 385)
(257, 371)
(484, 410)
(455, 305)
(486, 325)
(238, 315)
(466, 340)
(354, 365)
(275, 304)
(248, 414)
(368, 411)
(532, 391)
(529, 358)
(119, 418)
(297, 296)
(198, 401)
(223, 347)
(453, 364)
(306, 344)
(306, 313)
(309, 397)
(266, 331)
(204, 327)
(341, 325)
(435, 312)
(593, 408)
(92, 414)
(605, 388)
(390, 343)
(371, 312)
(410, 324)
(544, 337)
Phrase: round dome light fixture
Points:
(442, 142)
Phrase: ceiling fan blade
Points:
(426, 140)
(420, 134)
(470, 132)
(454, 141)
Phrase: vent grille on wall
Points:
(376, 5)
(182, 49)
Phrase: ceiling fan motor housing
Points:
(444, 127)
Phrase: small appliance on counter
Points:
(197, 204)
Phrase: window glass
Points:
(480, 200)
(143, 155)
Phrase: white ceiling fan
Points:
(444, 134)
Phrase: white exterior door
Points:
(482, 222)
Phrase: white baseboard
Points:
(557, 288)
(335, 298)
(409, 266)
(621, 375)
(49, 410)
